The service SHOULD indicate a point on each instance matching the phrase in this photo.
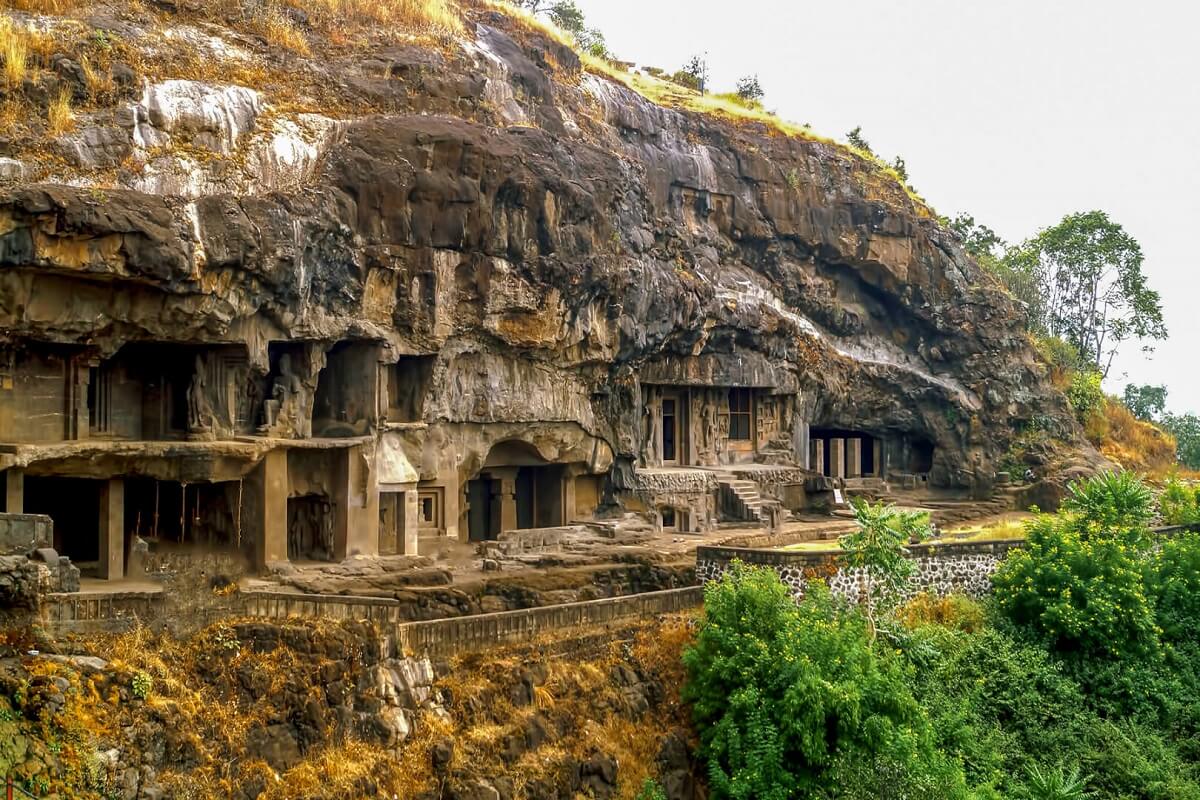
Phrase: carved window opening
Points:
(740, 415)
(668, 518)
(429, 509)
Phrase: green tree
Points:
(749, 89)
(857, 140)
(1090, 284)
(876, 550)
(570, 17)
(693, 74)
(900, 168)
(978, 239)
(1146, 401)
(1186, 430)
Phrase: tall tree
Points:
(1186, 430)
(1091, 289)
(1146, 401)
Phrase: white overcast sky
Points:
(1017, 111)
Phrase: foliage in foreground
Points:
(1082, 683)
(1079, 585)
(793, 698)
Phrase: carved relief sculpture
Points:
(200, 413)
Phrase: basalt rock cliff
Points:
(552, 235)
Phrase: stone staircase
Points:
(741, 499)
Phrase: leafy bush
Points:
(792, 699)
(141, 685)
(1079, 585)
(1085, 394)
(651, 790)
(1054, 784)
(1175, 587)
(1179, 503)
(876, 548)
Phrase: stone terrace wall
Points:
(941, 569)
(463, 634)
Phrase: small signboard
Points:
(837, 496)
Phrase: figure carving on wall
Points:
(283, 411)
(656, 430)
(710, 432)
(200, 413)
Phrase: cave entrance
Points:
(844, 453)
(196, 517)
(516, 489)
(74, 506)
(920, 456)
(156, 391)
(408, 382)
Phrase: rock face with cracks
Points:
(549, 242)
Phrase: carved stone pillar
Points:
(112, 529)
(837, 458)
(854, 458)
(410, 535)
(14, 491)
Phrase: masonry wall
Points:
(964, 567)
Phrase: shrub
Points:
(651, 790)
(789, 697)
(1054, 784)
(141, 685)
(1085, 394)
(1079, 585)
(876, 549)
(1175, 587)
(1179, 503)
(750, 90)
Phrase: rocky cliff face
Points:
(551, 234)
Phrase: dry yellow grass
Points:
(279, 30)
(99, 81)
(1132, 443)
(40, 6)
(437, 18)
(60, 117)
(14, 46)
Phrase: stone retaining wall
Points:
(477, 631)
(22, 533)
(941, 569)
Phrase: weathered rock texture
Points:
(549, 241)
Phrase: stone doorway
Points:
(672, 429)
